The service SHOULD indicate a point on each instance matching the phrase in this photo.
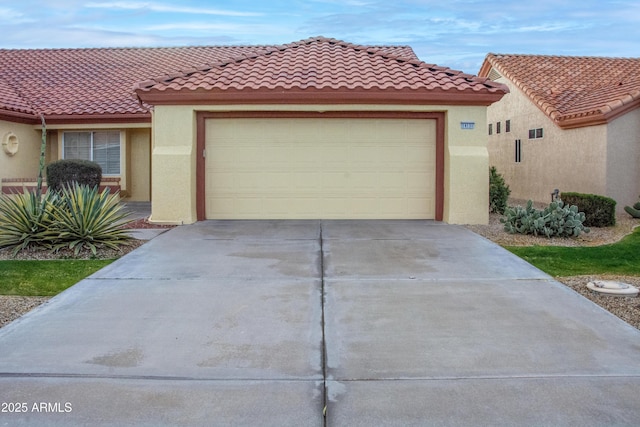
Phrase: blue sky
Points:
(453, 33)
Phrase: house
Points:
(318, 128)
(568, 123)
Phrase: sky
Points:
(454, 33)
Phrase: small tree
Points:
(498, 192)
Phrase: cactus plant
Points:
(634, 210)
(554, 220)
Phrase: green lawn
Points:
(44, 278)
(621, 258)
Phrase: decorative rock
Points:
(12, 307)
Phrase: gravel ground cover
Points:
(626, 308)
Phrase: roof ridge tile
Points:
(382, 52)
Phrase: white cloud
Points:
(226, 28)
(12, 16)
(159, 7)
(548, 27)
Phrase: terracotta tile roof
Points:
(70, 85)
(11, 101)
(573, 91)
(319, 69)
(93, 82)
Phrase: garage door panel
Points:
(363, 181)
(416, 205)
(335, 181)
(393, 181)
(419, 182)
(394, 209)
(334, 157)
(219, 182)
(277, 180)
(320, 168)
(306, 181)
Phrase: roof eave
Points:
(18, 117)
(596, 118)
(575, 122)
(309, 96)
(486, 66)
(26, 118)
(60, 119)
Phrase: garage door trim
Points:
(201, 118)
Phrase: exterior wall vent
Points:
(494, 75)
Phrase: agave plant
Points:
(86, 218)
(26, 219)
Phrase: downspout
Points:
(43, 152)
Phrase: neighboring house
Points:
(319, 128)
(568, 123)
(91, 111)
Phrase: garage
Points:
(319, 129)
(320, 167)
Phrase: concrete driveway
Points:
(270, 322)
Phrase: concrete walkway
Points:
(270, 322)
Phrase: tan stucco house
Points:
(568, 123)
(318, 128)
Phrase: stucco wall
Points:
(623, 159)
(135, 153)
(25, 163)
(569, 160)
(466, 184)
(174, 158)
(173, 165)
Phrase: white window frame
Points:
(91, 147)
(538, 133)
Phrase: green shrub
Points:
(77, 217)
(66, 172)
(556, 220)
(634, 210)
(499, 192)
(26, 220)
(599, 211)
(88, 219)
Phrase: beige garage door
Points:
(320, 168)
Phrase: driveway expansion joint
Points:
(486, 378)
(324, 341)
(28, 375)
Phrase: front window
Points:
(101, 147)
